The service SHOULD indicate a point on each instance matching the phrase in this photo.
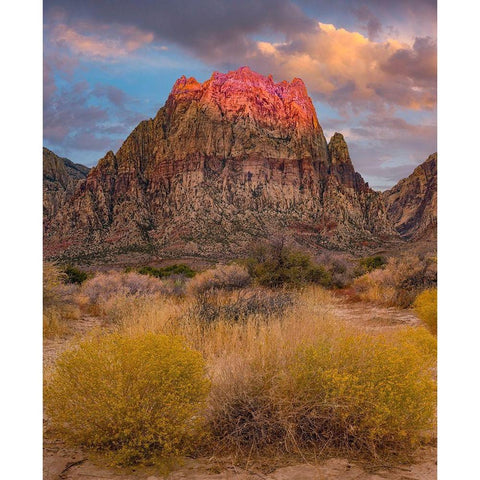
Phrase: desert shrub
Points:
(133, 398)
(106, 285)
(211, 306)
(350, 391)
(58, 307)
(426, 308)
(277, 265)
(399, 282)
(369, 393)
(176, 269)
(222, 277)
(368, 264)
(340, 269)
(74, 275)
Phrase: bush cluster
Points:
(137, 399)
(398, 282)
(353, 392)
(107, 285)
(278, 265)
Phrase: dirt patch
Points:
(65, 464)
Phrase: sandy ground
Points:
(67, 464)
(61, 463)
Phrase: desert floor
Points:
(65, 463)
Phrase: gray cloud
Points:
(371, 23)
(200, 27)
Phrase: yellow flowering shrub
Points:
(373, 393)
(426, 308)
(135, 398)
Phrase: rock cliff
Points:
(60, 177)
(412, 203)
(224, 163)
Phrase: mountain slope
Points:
(223, 163)
(60, 177)
(412, 203)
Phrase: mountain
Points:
(60, 177)
(224, 163)
(412, 203)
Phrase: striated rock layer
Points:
(224, 162)
(412, 203)
(60, 178)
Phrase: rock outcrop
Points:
(412, 203)
(224, 163)
(60, 178)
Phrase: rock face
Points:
(412, 203)
(60, 177)
(224, 163)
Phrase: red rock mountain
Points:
(224, 163)
(412, 203)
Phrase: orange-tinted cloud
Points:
(346, 68)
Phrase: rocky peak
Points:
(223, 163)
(338, 150)
(340, 163)
(412, 202)
(246, 94)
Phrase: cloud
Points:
(371, 23)
(100, 42)
(116, 96)
(418, 63)
(203, 28)
(71, 120)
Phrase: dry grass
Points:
(224, 277)
(59, 309)
(303, 381)
(292, 379)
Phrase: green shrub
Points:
(74, 275)
(277, 265)
(368, 264)
(163, 272)
(136, 399)
(426, 308)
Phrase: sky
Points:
(370, 68)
